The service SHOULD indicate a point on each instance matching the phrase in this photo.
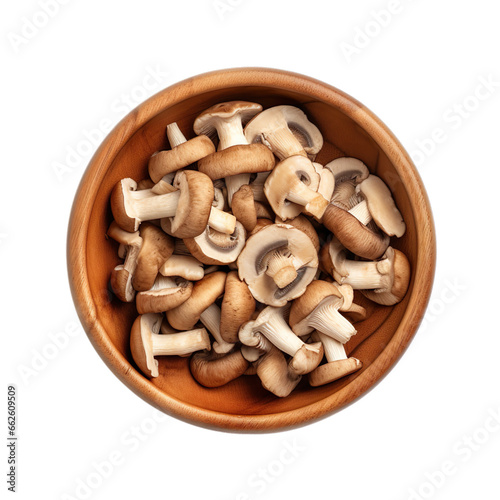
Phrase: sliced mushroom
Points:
(286, 131)
(237, 307)
(381, 206)
(338, 364)
(182, 154)
(185, 266)
(146, 342)
(301, 222)
(166, 293)
(326, 181)
(292, 188)
(123, 274)
(214, 248)
(347, 169)
(318, 309)
(235, 159)
(278, 263)
(212, 369)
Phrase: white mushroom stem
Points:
(251, 354)
(175, 136)
(210, 317)
(179, 343)
(282, 142)
(277, 331)
(361, 212)
(281, 267)
(327, 319)
(303, 195)
(334, 350)
(185, 266)
(365, 275)
(230, 133)
(222, 221)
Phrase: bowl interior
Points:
(244, 396)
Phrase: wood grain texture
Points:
(242, 405)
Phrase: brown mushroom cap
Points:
(237, 307)
(400, 280)
(315, 292)
(157, 247)
(240, 159)
(193, 210)
(243, 206)
(211, 369)
(307, 358)
(165, 294)
(355, 236)
(141, 344)
(333, 370)
(261, 223)
(165, 162)
(205, 292)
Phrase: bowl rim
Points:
(423, 273)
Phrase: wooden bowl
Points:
(349, 129)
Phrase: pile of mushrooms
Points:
(244, 253)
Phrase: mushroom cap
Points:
(307, 358)
(348, 169)
(141, 344)
(354, 235)
(304, 224)
(211, 369)
(274, 373)
(263, 210)
(355, 313)
(334, 370)
(315, 293)
(260, 224)
(267, 122)
(381, 206)
(240, 159)
(195, 203)
(205, 292)
(206, 122)
(165, 162)
(237, 307)
(400, 279)
(243, 206)
(157, 247)
(120, 205)
(121, 283)
(215, 248)
(268, 239)
(166, 293)
(332, 257)
(294, 174)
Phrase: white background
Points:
(59, 82)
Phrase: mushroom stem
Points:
(210, 317)
(233, 184)
(327, 319)
(277, 331)
(154, 206)
(361, 212)
(313, 202)
(222, 221)
(230, 133)
(283, 143)
(180, 343)
(364, 275)
(175, 136)
(334, 350)
(280, 267)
